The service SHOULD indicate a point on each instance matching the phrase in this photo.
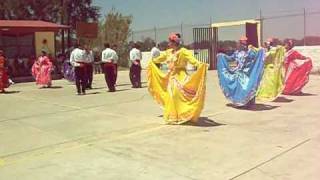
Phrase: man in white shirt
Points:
(77, 60)
(155, 52)
(135, 69)
(108, 58)
(89, 66)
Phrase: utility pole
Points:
(62, 22)
(132, 36)
(181, 29)
(304, 26)
(155, 34)
(69, 31)
(261, 28)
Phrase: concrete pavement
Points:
(55, 134)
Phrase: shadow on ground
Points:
(124, 84)
(119, 90)
(11, 92)
(203, 122)
(282, 99)
(55, 87)
(96, 88)
(255, 107)
(129, 84)
(92, 93)
(304, 94)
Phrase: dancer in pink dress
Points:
(41, 70)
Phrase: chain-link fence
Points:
(160, 35)
(301, 25)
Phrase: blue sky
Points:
(162, 13)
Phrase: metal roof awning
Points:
(28, 26)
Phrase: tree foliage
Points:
(147, 44)
(116, 30)
(80, 11)
(49, 10)
(117, 27)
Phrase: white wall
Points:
(146, 56)
(39, 37)
(313, 52)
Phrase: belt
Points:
(108, 64)
(179, 68)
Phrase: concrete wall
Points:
(39, 37)
(314, 53)
(146, 56)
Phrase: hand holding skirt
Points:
(181, 95)
(298, 69)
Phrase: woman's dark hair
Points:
(136, 45)
(106, 45)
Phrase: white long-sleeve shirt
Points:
(116, 57)
(135, 54)
(109, 56)
(77, 56)
(155, 52)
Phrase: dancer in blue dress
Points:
(68, 71)
(239, 84)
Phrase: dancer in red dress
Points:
(298, 68)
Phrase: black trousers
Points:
(81, 79)
(115, 73)
(89, 68)
(109, 75)
(135, 75)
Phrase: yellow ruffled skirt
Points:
(272, 82)
(181, 95)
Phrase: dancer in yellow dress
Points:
(272, 82)
(180, 94)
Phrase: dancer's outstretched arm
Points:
(163, 57)
(191, 59)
